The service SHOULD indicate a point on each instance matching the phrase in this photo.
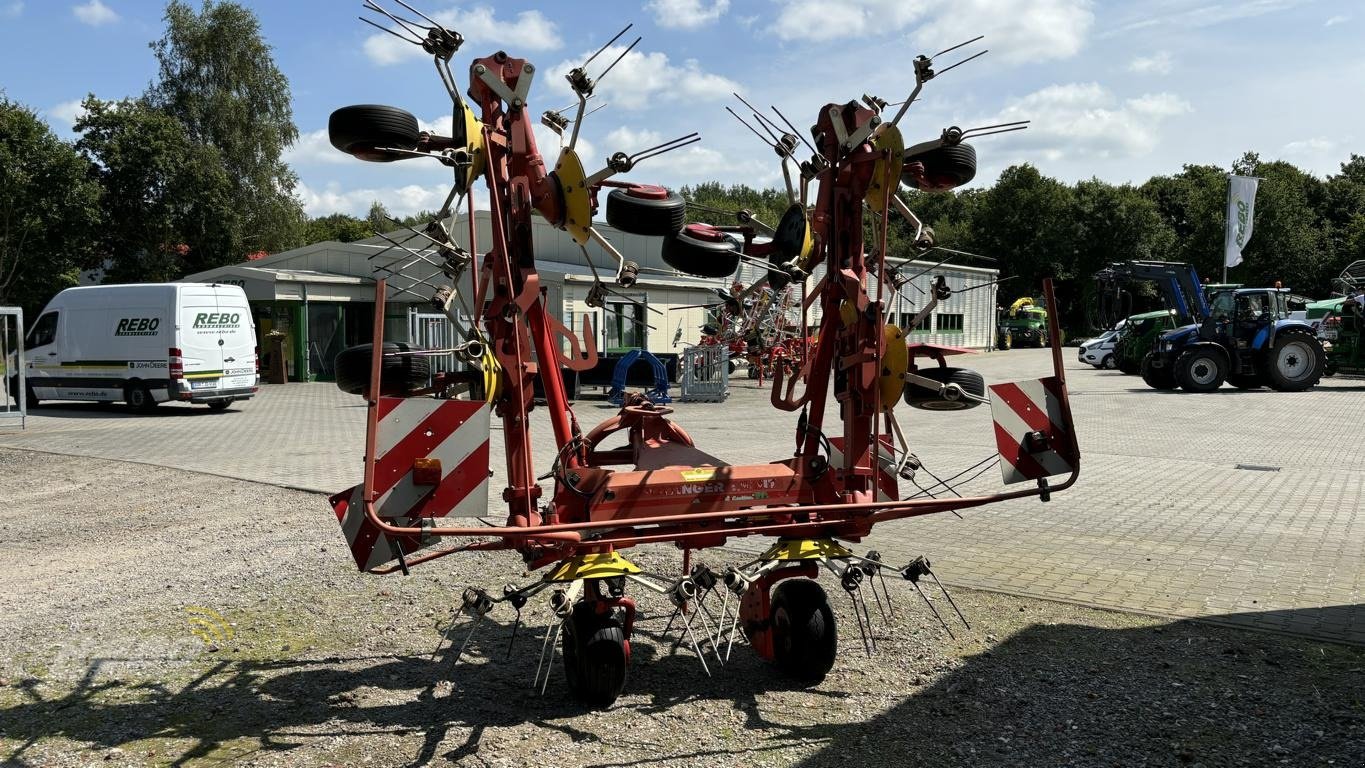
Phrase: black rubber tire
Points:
(1278, 379)
(970, 381)
(698, 257)
(398, 375)
(219, 405)
(1126, 365)
(1109, 363)
(596, 659)
(361, 130)
(1201, 363)
(1246, 381)
(139, 397)
(1157, 378)
(30, 397)
(651, 217)
(945, 167)
(804, 638)
(1004, 341)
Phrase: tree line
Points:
(1033, 226)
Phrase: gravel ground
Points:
(100, 559)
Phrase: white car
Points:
(143, 345)
(1099, 351)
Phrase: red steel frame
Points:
(595, 508)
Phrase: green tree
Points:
(167, 204)
(1287, 242)
(339, 227)
(1024, 222)
(1193, 204)
(49, 209)
(378, 219)
(218, 79)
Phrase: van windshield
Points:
(44, 331)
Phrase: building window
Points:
(948, 323)
(907, 318)
(625, 325)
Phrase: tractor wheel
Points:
(804, 640)
(1245, 381)
(646, 210)
(399, 375)
(1004, 341)
(596, 656)
(1294, 362)
(139, 397)
(1128, 366)
(945, 167)
(970, 382)
(1201, 369)
(700, 250)
(1109, 363)
(368, 130)
(1156, 378)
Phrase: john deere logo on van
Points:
(217, 320)
(137, 326)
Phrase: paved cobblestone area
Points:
(1244, 507)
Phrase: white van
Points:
(142, 345)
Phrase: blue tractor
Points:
(1244, 337)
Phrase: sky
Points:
(1116, 90)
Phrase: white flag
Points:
(1241, 210)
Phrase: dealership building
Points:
(310, 303)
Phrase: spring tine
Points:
(992, 133)
(872, 585)
(671, 619)
(724, 614)
(960, 63)
(795, 132)
(764, 122)
(871, 636)
(515, 626)
(618, 58)
(445, 635)
(734, 627)
(934, 576)
(862, 631)
(710, 634)
(970, 131)
(430, 20)
(637, 302)
(404, 23)
(390, 31)
(667, 146)
(554, 638)
(955, 47)
(881, 576)
(467, 638)
(700, 656)
(933, 609)
(751, 128)
(608, 45)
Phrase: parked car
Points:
(1099, 351)
(143, 345)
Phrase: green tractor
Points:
(1343, 323)
(1024, 324)
(1139, 333)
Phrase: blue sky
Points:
(1117, 90)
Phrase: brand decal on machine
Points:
(137, 326)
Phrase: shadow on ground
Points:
(1060, 694)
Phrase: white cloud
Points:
(1314, 146)
(687, 14)
(401, 201)
(694, 159)
(1158, 63)
(12, 10)
(67, 112)
(644, 78)
(1335, 20)
(95, 13)
(1202, 13)
(530, 31)
(1086, 119)
(1016, 30)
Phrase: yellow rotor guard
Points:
(595, 565)
(473, 139)
(895, 362)
(848, 313)
(492, 375)
(805, 549)
(577, 203)
(886, 174)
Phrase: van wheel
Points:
(139, 398)
(220, 405)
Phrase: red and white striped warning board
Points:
(431, 461)
(1033, 429)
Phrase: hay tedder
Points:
(638, 477)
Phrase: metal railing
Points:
(705, 373)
